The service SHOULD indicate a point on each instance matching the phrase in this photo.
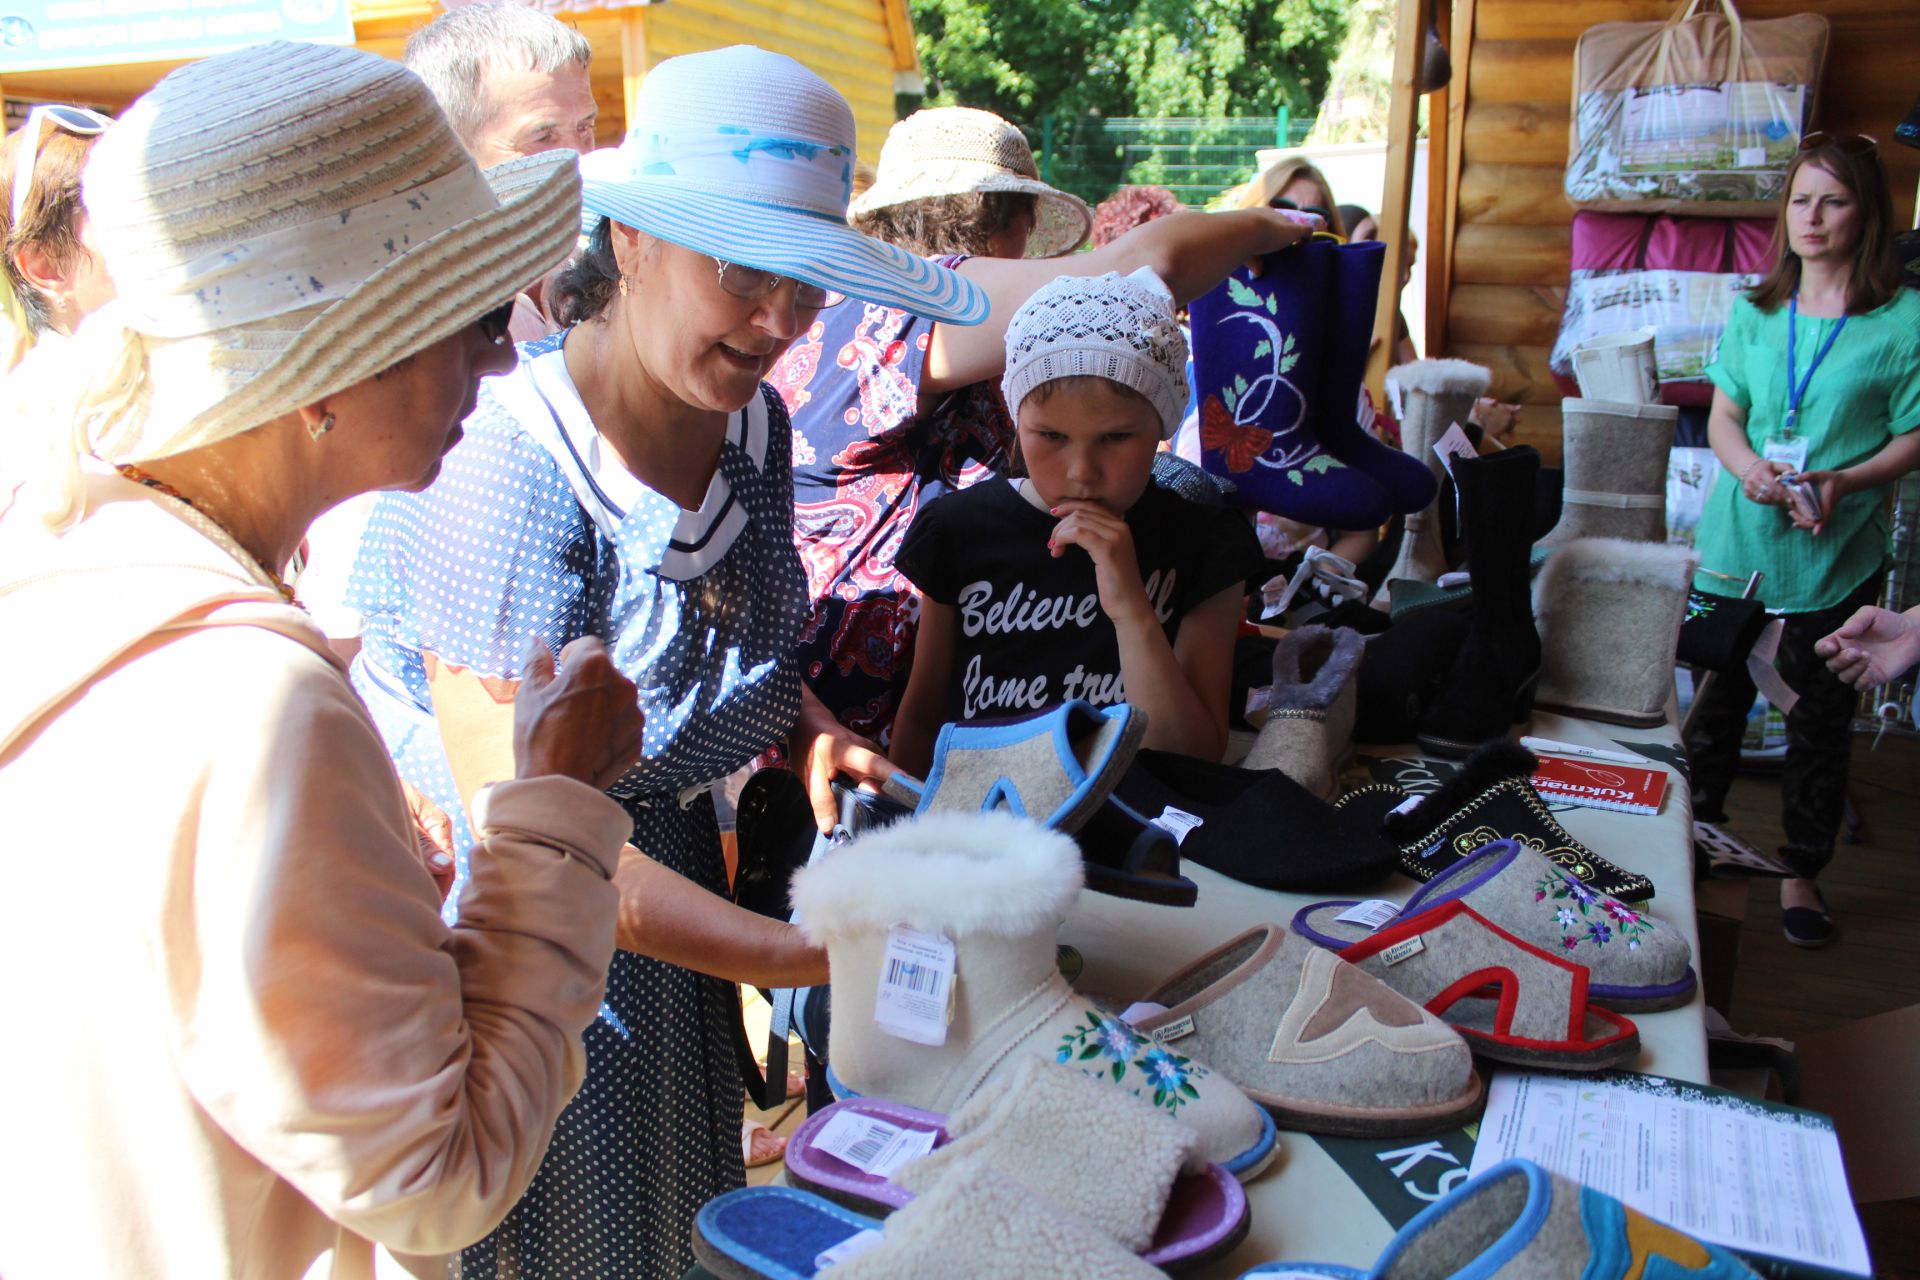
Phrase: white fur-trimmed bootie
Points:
(1609, 614)
(1614, 458)
(996, 889)
(1437, 394)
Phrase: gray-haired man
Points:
(512, 80)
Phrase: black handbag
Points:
(776, 836)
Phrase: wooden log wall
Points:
(1508, 267)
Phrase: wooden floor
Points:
(1872, 888)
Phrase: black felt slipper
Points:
(1256, 825)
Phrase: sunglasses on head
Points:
(1853, 144)
(1281, 202)
(78, 121)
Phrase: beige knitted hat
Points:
(1121, 328)
(953, 151)
(280, 223)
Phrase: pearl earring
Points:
(320, 428)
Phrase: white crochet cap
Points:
(1120, 328)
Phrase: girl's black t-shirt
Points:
(1029, 631)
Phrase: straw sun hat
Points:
(280, 223)
(747, 156)
(953, 151)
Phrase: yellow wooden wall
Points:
(856, 45)
(1512, 222)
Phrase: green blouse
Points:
(1865, 392)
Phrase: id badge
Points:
(1787, 451)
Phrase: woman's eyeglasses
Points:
(79, 121)
(754, 284)
(1853, 144)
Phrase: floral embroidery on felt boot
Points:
(1585, 924)
(1169, 1075)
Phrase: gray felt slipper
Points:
(1309, 726)
(1636, 963)
(1322, 1045)
(1056, 769)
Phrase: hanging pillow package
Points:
(1697, 114)
(1675, 277)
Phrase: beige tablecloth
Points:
(1305, 1207)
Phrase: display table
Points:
(1305, 1207)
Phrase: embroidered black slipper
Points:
(1489, 799)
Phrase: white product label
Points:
(1454, 578)
(1370, 914)
(871, 1145)
(1399, 951)
(1177, 821)
(1175, 1030)
(1408, 805)
(852, 1246)
(915, 999)
(1453, 443)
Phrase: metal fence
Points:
(1196, 159)
(1893, 704)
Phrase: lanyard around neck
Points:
(1797, 388)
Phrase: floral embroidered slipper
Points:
(1517, 1219)
(1637, 964)
(1322, 1045)
(1046, 1130)
(1056, 768)
(1489, 799)
(976, 1212)
(1513, 1001)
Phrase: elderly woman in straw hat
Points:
(631, 479)
(264, 1053)
(893, 407)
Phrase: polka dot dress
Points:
(532, 529)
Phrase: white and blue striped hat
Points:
(748, 156)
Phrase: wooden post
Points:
(1403, 113)
(1438, 246)
(1461, 52)
(634, 24)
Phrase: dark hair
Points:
(52, 216)
(586, 286)
(1127, 208)
(1352, 215)
(1876, 269)
(947, 224)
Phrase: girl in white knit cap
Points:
(1081, 578)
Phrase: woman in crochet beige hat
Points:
(241, 1039)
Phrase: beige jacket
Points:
(238, 1040)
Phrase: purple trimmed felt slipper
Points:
(1109, 1158)
(1637, 964)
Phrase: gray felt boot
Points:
(1609, 614)
(1309, 728)
(1438, 393)
(997, 888)
(1615, 462)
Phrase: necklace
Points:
(138, 476)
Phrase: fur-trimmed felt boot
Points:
(1615, 471)
(1610, 614)
(1437, 394)
(1492, 681)
(1309, 728)
(996, 888)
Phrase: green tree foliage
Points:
(1026, 58)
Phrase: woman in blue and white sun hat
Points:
(631, 479)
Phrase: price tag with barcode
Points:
(1370, 914)
(871, 1145)
(915, 999)
(1178, 822)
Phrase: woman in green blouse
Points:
(1817, 394)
